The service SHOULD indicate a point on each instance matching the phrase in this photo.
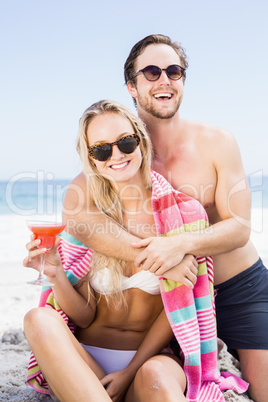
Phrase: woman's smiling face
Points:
(107, 128)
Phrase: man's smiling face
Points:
(160, 98)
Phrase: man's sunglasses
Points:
(126, 145)
(152, 73)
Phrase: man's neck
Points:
(163, 133)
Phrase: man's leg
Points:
(70, 371)
(242, 323)
(159, 379)
(254, 367)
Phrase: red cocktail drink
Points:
(46, 232)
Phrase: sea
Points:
(22, 199)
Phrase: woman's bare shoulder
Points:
(76, 193)
(79, 180)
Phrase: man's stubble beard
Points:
(159, 114)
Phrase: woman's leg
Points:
(161, 378)
(72, 374)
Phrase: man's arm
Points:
(232, 200)
(93, 228)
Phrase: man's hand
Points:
(162, 257)
(185, 272)
(161, 253)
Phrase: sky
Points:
(60, 56)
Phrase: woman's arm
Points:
(73, 302)
(78, 302)
(157, 338)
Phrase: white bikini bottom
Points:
(110, 360)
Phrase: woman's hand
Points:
(52, 257)
(117, 384)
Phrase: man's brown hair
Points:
(138, 48)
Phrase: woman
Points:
(118, 310)
(119, 350)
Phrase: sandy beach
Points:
(17, 297)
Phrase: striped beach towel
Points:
(191, 313)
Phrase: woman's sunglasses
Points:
(152, 73)
(126, 145)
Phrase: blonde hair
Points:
(103, 191)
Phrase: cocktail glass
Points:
(46, 232)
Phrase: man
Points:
(205, 163)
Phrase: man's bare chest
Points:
(192, 177)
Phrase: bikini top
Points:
(143, 280)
